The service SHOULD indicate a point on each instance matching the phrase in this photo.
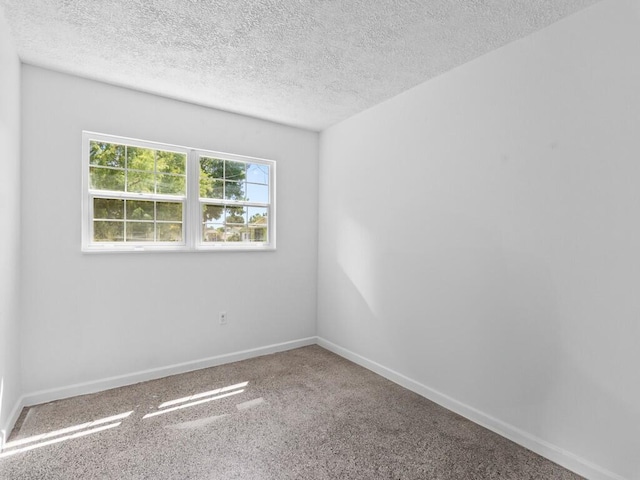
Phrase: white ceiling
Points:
(307, 63)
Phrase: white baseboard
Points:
(10, 422)
(556, 454)
(50, 395)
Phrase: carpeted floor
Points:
(301, 414)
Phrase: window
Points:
(141, 196)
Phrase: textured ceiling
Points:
(308, 63)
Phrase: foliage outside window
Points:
(147, 196)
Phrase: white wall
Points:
(92, 316)
(480, 234)
(9, 227)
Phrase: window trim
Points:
(192, 222)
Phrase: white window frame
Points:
(192, 225)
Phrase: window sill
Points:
(181, 249)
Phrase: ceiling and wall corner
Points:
(303, 63)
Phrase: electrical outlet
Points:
(223, 318)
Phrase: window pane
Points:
(141, 159)
(210, 188)
(106, 179)
(257, 215)
(212, 232)
(234, 190)
(211, 167)
(108, 231)
(212, 212)
(258, 233)
(257, 173)
(234, 170)
(171, 162)
(235, 234)
(106, 154)
(108, 208)
(140, 231)
(257, 193)
(169, 232)
(140, 182)
(169, 211)
(171, 184)
(139, 210)
(235, 215)
(258, 224)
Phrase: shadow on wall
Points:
(455, 311)
(475, 311)
(356, 282)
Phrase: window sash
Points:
(93, 195)
(247, 225)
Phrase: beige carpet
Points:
(302, 414)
